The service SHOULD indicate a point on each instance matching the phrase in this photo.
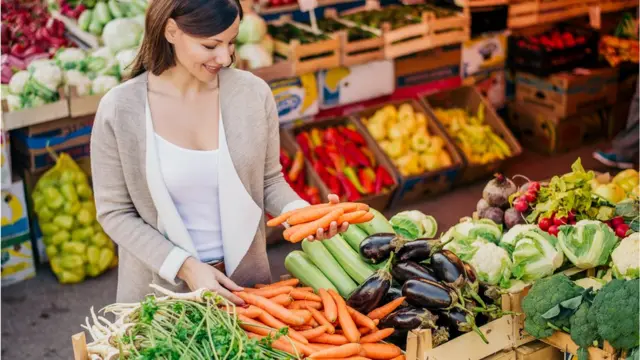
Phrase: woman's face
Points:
(203, 57)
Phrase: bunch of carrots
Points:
(304, 222)
(319, 326)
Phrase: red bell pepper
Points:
(353, 135)
(332, 136)
(387, 180)
(378, 185)
(351, 151)
(305, 143)
(350, 190)
(300, 183)
(332, 182)
(337, 160)
(322, 156)
(285, 159)
(350, 173)
(367, 178)
(297, 166)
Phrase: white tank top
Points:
(191, 177)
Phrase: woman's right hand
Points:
(199, 275)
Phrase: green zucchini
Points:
(354, 236)
(349, 259)
(379, 224)
(323, 259)
(300, 266)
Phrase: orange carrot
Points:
(302, 304)
(344, 318)
(377, 336)
(279, 219)
(363, 331)
(289, 282)
(315, 332)
(271, 321)
(365, 218)
(272, 308)
(260, 286)
(289, 232)
(320, 347)
(306, 314)
(338, 352)
(303, 217)
(351, 217)
(313, 322)
(304, 295)
(322, 320)
(251, 312)
(255, 326)
(386, 309)
(282, 299)
(331, 339)
(309, 289)
(310, 228)
(399, 357)
(330, 311)
(361, 319)
(270, 292)
(288, 345)
(380, 351)
(302, 328)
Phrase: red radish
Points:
(530, 196)
(617, 221)
(553, 230)
(544, 224)
(560, 221)
(534, 185)
(520, 205)
(621, 230)
(572, 216)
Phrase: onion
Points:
(498, 190)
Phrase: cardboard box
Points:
(468, 98)
(491, 85)
(503, 355)
(32, 145)
(32, 116)
(538, 350)
(347, 85)
(484, 53)
(17, 254)
(5, 158)
(428, 66)
(545, 132)
(568, 94)
(296, 97)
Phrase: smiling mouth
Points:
(212, 69)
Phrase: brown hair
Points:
(199, 18)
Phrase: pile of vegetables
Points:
(622, 45)
(76, 245)
(403, 134)
(286, 32)
(38, 85)
(255, 46)
(98, 19)
(354, 33)
(590, 316)
(477, 140)
(296, 176)
(495, 205)
(344, 162)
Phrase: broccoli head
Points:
(615, 309)
(544, 295)
(584, 329)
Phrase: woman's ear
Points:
(171, 31)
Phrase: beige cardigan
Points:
(136, 210)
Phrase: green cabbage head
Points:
(588, 243)
(535, 255)
(483, 228)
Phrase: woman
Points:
(185, 158)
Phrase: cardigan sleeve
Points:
(116, 212)
(278, 195)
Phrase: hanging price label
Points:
(308, 5)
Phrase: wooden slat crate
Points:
(356, 52)
(449, 30)
(308, 58)
(602, 7)
(535, 12)
(12, 120)
(563, 342)
(485, 3)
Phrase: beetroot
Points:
(513, 217)
(492, 213)
(482, 204)
(498, 190)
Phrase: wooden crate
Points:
(602, 7)
(308, 58)
(468, 97)
(377, 201)
(563, 342)
(485, 3)
(417, 187)
(12, 120)
(279, 70)
(357, 51)
(82, 105)
(535, 12)
(502, 355)
(538, 350)
(449, 30)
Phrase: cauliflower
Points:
(615, 309)
(104, 83)
(18, 82)
(70, 58)
(48, 76)
(39, 63)
(81, 82)
(125, 59)
(14, 102)
(492, 264)
(625, 259)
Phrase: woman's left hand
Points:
(333, 228)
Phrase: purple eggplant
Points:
(408, 270)
(376, 248)
(448, 268)
(409, 318)
(417, 250)
(369, 294)
(459, 322)
(393, 293)
(429, 294)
